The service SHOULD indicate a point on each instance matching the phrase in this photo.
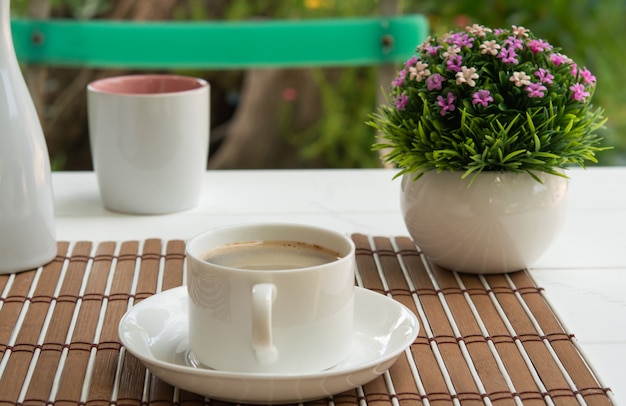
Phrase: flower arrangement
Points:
(489, 100)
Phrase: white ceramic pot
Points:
(503, 222)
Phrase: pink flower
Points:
(588, 78)
(434, 82)
(538, 45)
(544, 76)
(558, 59)
(446, 104)
(482, 97)
(578, 92)
(536, 90)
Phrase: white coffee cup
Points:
(288, 320)
(149, 139)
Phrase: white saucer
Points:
(155, 331)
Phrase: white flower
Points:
(489, 47)
(520, 79)
(425, 43)
(520, 31)
(478, 30)
(466, 75)
(419, 71)
(451, 51)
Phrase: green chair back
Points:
(218, 45)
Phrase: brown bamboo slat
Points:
(483, 339)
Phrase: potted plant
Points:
(482, 124)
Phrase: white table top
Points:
(583, 272)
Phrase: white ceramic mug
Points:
(149, 139)
(272, 320)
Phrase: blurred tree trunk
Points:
(273, 102)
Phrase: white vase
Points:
(502, 223)
(27, 230)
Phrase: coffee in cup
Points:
(270, 298)
(271, 255)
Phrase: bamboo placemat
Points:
(483, 339)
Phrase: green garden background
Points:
(328, 129)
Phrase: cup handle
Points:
(263, 295)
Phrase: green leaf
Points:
(512, 155)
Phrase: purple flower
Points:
(446, 104)
(508, 56)
(460, 39)
(536, 90)
(513, 43)
(454, 63)
(578, 92)
(482, 97)
(399, 81)
(411, 62)
(544, 76)
(402, 100)
(538, 45)
(432, 50)
(434, 81)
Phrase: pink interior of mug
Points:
(147, 84)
